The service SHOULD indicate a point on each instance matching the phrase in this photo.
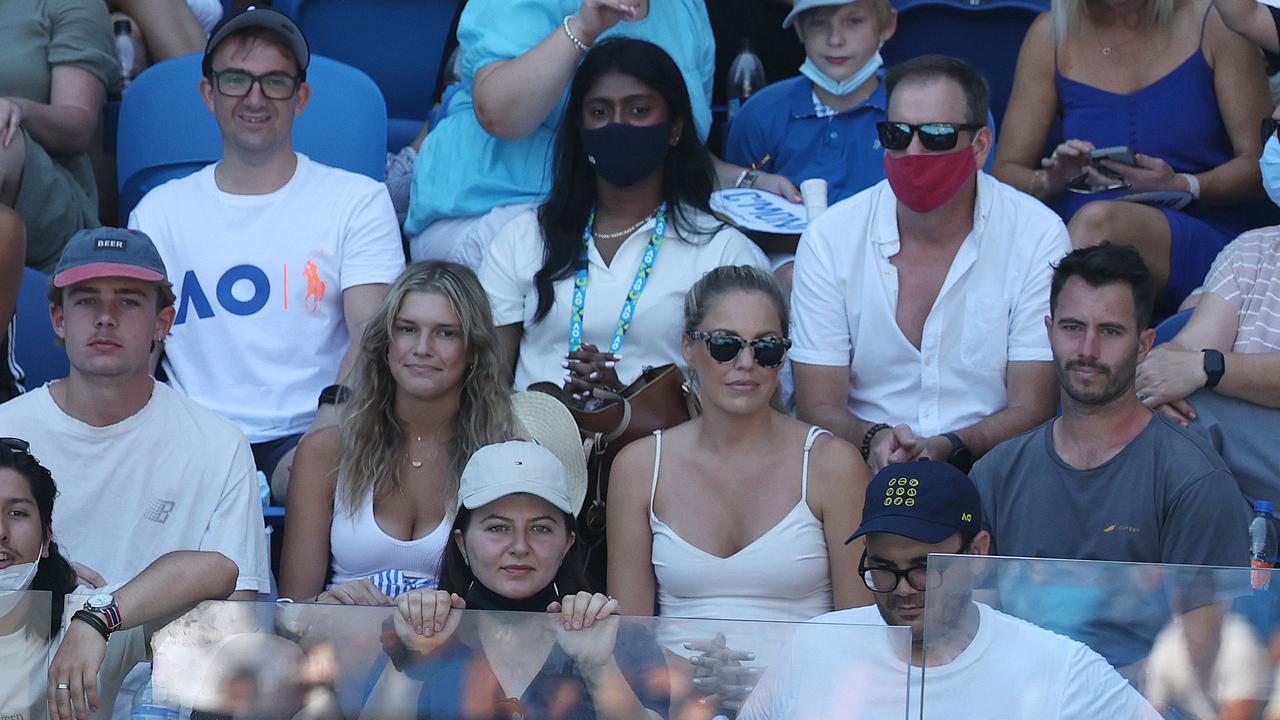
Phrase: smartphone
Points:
(1122, 154)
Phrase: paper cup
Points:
(814, 193)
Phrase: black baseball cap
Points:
(925, 500)
(263, 17)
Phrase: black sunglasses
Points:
(238, 83)
(1270, 126)
(13, 444)
(886, 579)
(934, 136)
(723, 347)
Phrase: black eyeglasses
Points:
(723, 347)
(934, 136)
(884, 579)
(238, 83)
(1270, 126)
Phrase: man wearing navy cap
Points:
(141, 470)
(278, 261)
(981, 662)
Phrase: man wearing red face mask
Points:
(918, 303)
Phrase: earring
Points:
(153, 346)
(555, 588)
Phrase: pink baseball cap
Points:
(108, 252)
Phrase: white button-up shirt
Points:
(989, 312)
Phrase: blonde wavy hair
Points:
(372, 434)
(1069, 14)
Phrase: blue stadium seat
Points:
(39, 357)
(165, 130)
(986, 33)
(1169, 327)
(400, 43)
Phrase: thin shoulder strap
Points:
(657, 458)
(809, 439)
(1204, 21)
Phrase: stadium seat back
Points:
(985, 33)
(34, 348)
(399, 43)
(165, 130)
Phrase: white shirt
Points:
(989, 312)
(260, 329)
(1011, 669)
(654, 337)
(172, 476)
(1240, 669)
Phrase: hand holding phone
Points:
(1122, 154)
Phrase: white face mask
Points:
(14, 580)
(849, 84)
(1269, 164)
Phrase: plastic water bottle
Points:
(147, 707)
(746, 75)
(1262, 545)
(126, 52)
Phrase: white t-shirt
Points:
(172, 476)
(1011, 669)
(1240, 669)
(260, 329)
(654, 337)
(25, 658)
(989, 312)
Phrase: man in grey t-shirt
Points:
(1109, 479)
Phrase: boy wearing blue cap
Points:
(981, 662)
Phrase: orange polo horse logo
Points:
(315, 286)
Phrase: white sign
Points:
(758, 210)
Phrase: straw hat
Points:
(544, 419)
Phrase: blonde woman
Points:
(370, 498)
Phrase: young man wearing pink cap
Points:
(142, 471)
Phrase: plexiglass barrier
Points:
(1033, 638)
(24, 654)
(263, 660)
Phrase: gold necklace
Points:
(623, 233)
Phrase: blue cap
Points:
(925, 500)
(1263, 506)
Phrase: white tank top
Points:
(359, 548)
(783, 575)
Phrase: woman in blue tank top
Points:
(1166, 80)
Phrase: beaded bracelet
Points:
(582, 47)
(871, 434)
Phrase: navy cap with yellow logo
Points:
(925, 500)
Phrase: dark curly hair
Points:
(53, 573)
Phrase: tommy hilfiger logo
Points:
(158, 510)
(110, 244)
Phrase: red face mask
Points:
(924, 182)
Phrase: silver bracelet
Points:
(582, 47)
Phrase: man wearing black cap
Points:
(141, 470)
(980, 662)
(278, 261)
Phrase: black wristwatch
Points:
(334, 395)
(1214, 367)
(961, 456)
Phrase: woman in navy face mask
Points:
(625, 231)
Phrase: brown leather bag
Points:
(659, 399)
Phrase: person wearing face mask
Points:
(1220, 375)
(917, 303)
(512, 549)
(94, 635)
(607, 258)
(821, 123)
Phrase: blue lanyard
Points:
(633, 295)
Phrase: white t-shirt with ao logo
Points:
(260, 329)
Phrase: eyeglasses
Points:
(723, 347)
(1270, 126)
(238, 83)
(933, 136)
(13, 444)
(885, 579)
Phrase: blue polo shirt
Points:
(781, 121)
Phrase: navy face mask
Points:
(622, 154)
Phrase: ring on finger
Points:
(63, 686)
(1143, 396)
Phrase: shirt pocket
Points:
(984, 339)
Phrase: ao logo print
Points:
(901, 491)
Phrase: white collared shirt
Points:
(989, 312)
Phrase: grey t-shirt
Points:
(1167, 497)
